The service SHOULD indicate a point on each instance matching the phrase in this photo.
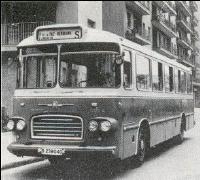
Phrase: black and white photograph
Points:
(100, 90)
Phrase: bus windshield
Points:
(80, 66)
(89, 70)
(38, 67)
(40, 71)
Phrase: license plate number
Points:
(51, 151)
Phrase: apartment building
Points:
(168, 27)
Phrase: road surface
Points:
(167, 161)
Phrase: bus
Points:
(83, 92)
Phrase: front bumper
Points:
(70, 151)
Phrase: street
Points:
(167, 161)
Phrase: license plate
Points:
(51, 151)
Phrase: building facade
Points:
(168, 27)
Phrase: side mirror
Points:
(49, 84)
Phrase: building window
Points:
(91, 24)
(189, 83)
(183, 82)
(176, 79)
(130, 20)
(127, 69)
(157, 76)
(169, 83)
(143, 72)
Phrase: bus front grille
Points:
(56, 127)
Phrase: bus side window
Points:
(143, 72)
(157, 76)
(127, 70)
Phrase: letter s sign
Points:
(77, 34)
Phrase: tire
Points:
(141, 147)
(180, 137)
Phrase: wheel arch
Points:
(143, 123)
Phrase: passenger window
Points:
(189, 83)
(157, 76)
(169, 82)
(127, 69)
(143, 72)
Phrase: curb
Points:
(21, 163)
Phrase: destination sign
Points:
(58, 34)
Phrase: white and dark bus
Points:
(83, 92)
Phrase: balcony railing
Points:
(12, 34)
(195, 21)
(139, 35)
(193, 5)
(195, 35)
(184, 38)
(181, 18)
(186, 59)
(161, 18)
(173, 6)
(146, 4)
(144, 33)
(185, 7)
(170, 48)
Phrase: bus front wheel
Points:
(141, 147)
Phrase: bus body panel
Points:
(129, 114)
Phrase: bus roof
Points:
(95, 35)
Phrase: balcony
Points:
(194, 6)
(184, 42)
(196, 79)
(139, 35)
(161, 23)
(169, 51)
(142, 7)
(183, 6)
(186, 60)
(12, 34)
(166, 6)
(195, 35)
(195, 50)
(195, 21)
(183, 23)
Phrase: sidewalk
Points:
(9, 160)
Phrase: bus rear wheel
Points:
(180, 137)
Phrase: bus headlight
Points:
(20, 125)
(105, 126)
(10, 125)
(93, 126)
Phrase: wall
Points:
(90, 10)
(67, 12)
(114, 16)
(8, 85)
